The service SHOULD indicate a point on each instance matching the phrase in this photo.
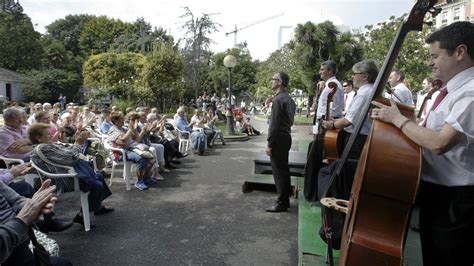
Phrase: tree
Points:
(243, 74)
(46, 85)
(118, 75)
(20, 48)
(283, 59)
(100, 33)
(413, 57)
(163, 70)
(142, 39)
(68, 31)
(315, 44)
(196, 51)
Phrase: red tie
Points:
(442, 93)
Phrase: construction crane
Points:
(250, 25)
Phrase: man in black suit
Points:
(279, 140)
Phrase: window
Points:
(457, 13)
(444, 18)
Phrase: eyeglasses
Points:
(355, 73)
(272, 79)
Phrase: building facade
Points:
(452, 11)
(10, 86)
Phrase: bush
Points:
(122, 105)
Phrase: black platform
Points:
(297, 162)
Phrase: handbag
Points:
(144, 154)
(143, 151)
(42, 256)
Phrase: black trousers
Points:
(357, 147)
(22, 255)
(447, 224)
(281, 169)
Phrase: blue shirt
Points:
(182, 124)
(105, 126)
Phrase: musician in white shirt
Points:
(400, 92)
(447, 189)
(328, 71)
(349, 94)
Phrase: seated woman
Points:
(142, 136)
(67, 129)
(44, 151)
(122, 138)
(157, 135)
(199, 121)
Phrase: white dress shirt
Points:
(455, 167)
(348, 96)
(403, 93)
(337, 100)
(352, 115)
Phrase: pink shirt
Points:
(8, 135)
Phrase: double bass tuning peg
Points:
(434, 11)
(429, 23)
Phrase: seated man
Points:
(16, 215)
(13, 139)
(44, 153)
(198, 138)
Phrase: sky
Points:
(262, 38)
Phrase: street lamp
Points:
(230, 61)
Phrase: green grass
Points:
(222, 127)
(303, 120)
(299, 120)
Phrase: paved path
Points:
(198, 215)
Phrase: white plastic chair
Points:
(9, 162)
(127, 165)
(70, 173)
(185, 143)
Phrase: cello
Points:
(332, 137)
(383, 191)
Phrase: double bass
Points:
(332, 137)
(387, 176)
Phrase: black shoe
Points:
(169, 166)
(80, 220)
(181, 155)
(103, 210)
(54, 225)
(176, 161)
(201, 153)
(278, 207)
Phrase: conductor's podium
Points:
(296, 161)
(263, 176)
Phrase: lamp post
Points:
(230, 61)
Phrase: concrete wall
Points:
(16, 93)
